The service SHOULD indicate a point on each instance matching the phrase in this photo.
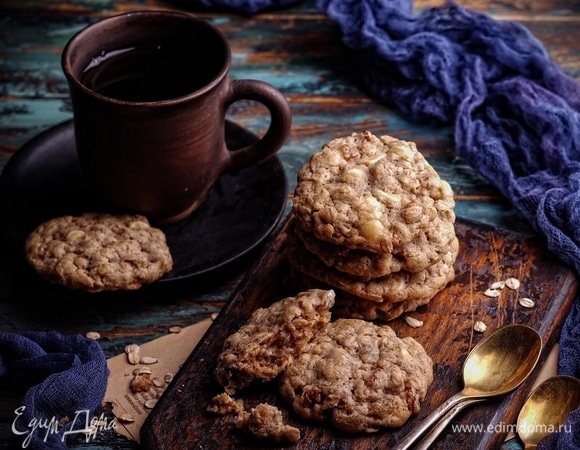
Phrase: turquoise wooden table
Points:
(299, 51)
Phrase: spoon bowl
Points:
(494, 367)
(546, 409)
(501, 362)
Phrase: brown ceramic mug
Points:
(150, 91)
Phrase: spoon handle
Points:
(416, 433)
(434, 433)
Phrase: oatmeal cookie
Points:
(358, 375)
(267, 342)
(370, 193)
(355, 262)
(395, 287)
(348, 306)
(426, 250)
(99, 252)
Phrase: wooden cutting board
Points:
(179, 421)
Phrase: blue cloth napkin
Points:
(516, 114)
(62, 376)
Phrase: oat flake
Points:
(512, 283)
(479, 326)
(492, 293)
(526, 302)
(412, 322)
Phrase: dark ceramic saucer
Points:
(43, 180)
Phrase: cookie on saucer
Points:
(99, 252)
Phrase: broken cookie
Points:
(264, 346)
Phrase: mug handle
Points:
(278, 131)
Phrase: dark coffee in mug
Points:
(148, 73)
(150, 91)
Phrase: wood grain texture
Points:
(486, 255)
(300, 52)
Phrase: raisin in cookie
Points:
(358, 375)
(370, 193)
(99, 252)
(267, 342)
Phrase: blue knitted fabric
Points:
(516, 117)
(247, 6)
(61, 376)
(516, 114)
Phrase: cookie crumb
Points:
(266, 422)
(223, 404)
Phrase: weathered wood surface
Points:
(486, 255)
(299, 51)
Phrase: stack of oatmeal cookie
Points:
(375, 222)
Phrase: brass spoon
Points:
(495, 366)
(546, 409)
